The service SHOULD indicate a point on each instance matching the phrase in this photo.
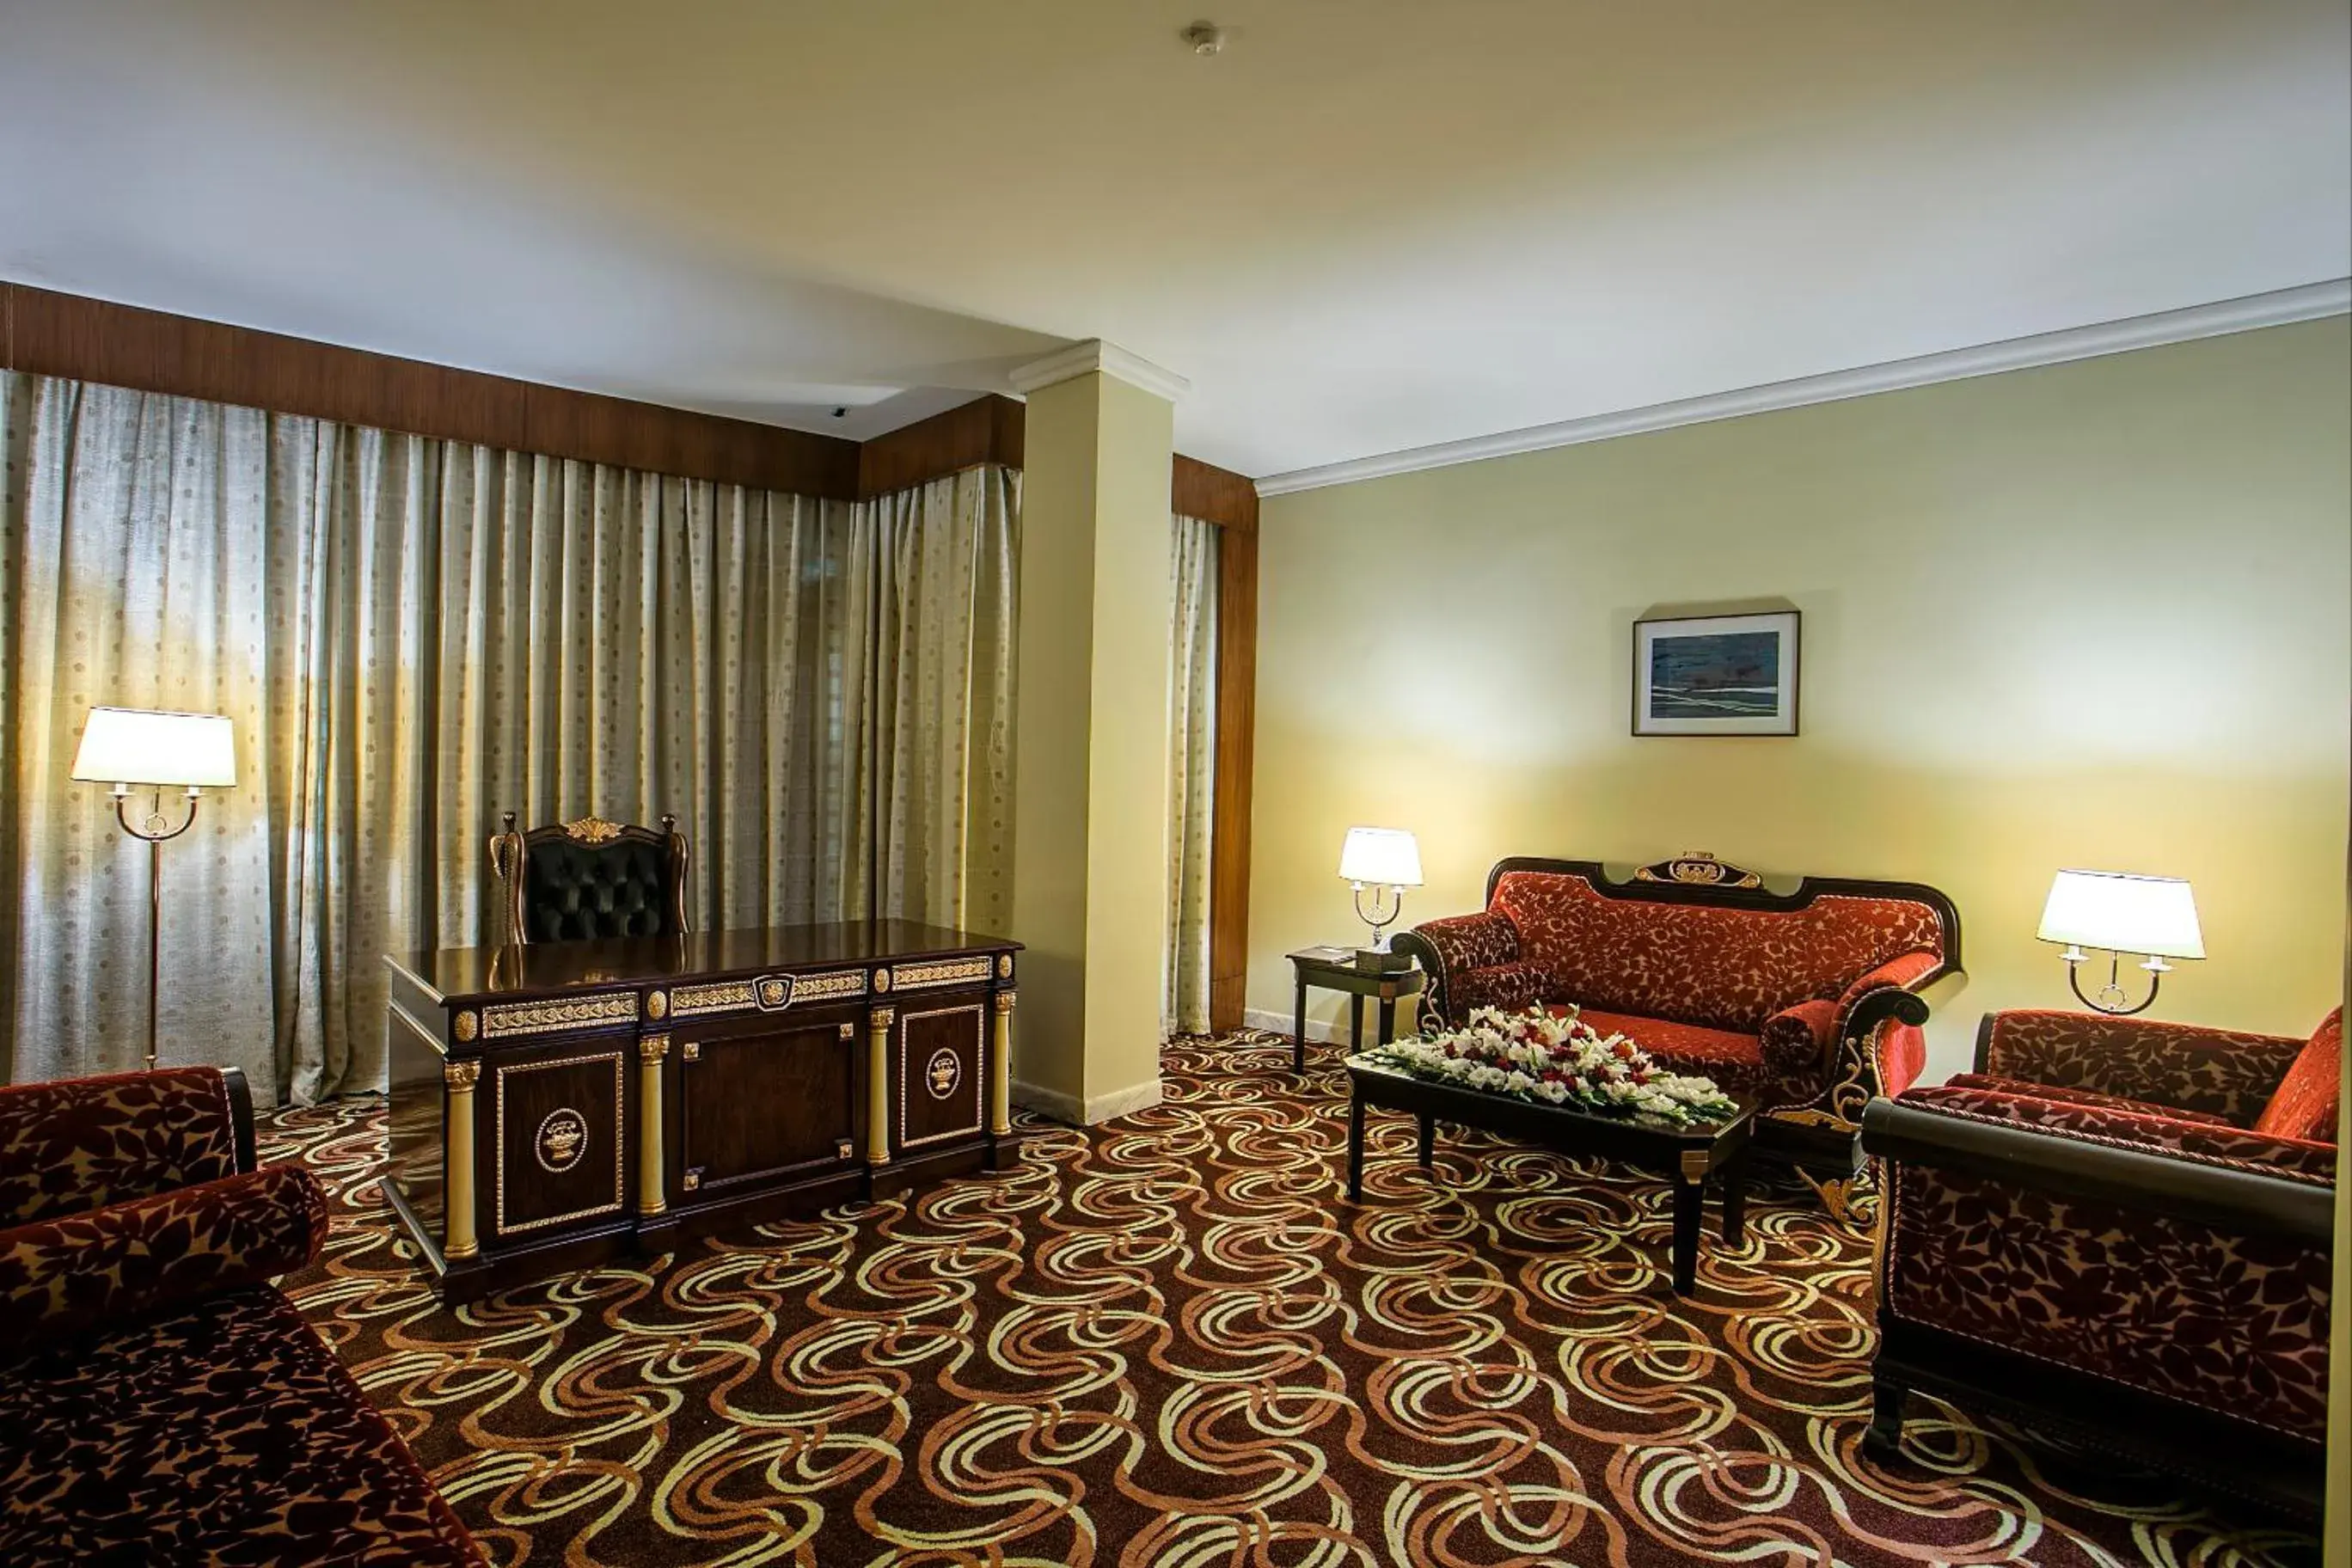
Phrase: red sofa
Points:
(2119, 1230)
(1806, 1003)
(161, 1401)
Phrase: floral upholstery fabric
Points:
(67, 1275)
(2075, 1097)
(1513, 988)
(85, 1142)
(1798, 1044)
(2227, 1322)
(223, 1433)
(2305, 1103)
(1734, 1060)
(1715, 968)
(2225, 1074)
(1465, 943)
(2205, 1142)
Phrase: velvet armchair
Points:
(2119, 1230)
(164, 1402)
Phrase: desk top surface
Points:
(456, 971)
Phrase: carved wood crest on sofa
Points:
(1806, 1003)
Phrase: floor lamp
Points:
(128, 746)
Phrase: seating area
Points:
(165, 1402)
(935, 785)
(1806, 1003)
(2120, 1229)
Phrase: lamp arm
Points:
(153, 830)
(2114, 986)
(1374, 919)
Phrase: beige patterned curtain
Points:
(412, 636)
(943, 697)
(1191, 767)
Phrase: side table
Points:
(1333, 969)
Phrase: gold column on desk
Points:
(1000, 1070)
(650, 1154)
(127, 746)
(457, 1238)
(877, 1085)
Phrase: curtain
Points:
(415, 636)
(1191, 768)
(944, 694)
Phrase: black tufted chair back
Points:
(591, 877)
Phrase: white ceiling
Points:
(1369, 225)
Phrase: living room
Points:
(1335, 784)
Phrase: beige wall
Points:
(2093, 614)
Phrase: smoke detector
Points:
(1205, 38)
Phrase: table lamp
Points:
(2119, 912)
(1381, 858)
(127, 746)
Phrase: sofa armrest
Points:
(1451, 949)
(2232, 1180)
(80, 1271)
(82, 1143)
(2196, 1273)
(2222, 1072)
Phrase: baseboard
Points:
(1053, 1102)
(1100, 1108)
(1317, 1031)
(1125, 1101)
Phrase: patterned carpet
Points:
(1169, 1340)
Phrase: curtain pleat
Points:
(417, 636)
(1192, 769)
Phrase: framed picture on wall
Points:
(1716, 674)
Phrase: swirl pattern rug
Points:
(1171, 1341)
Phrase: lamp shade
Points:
(2123, 913)
(1381, 856)
(135, 745)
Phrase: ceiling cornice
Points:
(2280, 308)
(1094, 356)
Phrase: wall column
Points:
(1090, 827)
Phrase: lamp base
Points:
(1382, 960)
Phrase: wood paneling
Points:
(1214, 495)
(1229, 833)
(985, 430)
(90, 340)
(151, 351)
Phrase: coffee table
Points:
(1687, 1155)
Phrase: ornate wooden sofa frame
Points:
(1810, 1011)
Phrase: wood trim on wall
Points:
(49, 334)
(1213, 495)
(986, 430)
(1229, 793)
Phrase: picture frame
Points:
(1718, 674)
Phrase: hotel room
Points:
(1344, 785)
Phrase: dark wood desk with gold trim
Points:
(559, 1104)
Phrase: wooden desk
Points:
(556, 1105)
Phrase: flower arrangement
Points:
(1554, 1060)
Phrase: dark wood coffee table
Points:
(1687, 1155)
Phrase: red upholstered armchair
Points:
(2119, 1230)
(1806, 1003)
(164, 1402)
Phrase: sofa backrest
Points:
(1728, 963)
